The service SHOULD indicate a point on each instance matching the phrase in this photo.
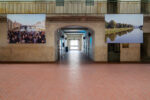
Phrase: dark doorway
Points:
(145, 46)
(112, 6)
(113, 52)
(144, 6)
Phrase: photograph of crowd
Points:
(26, 28)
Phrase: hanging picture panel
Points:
(26, 28)
(124, 28)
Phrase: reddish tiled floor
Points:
(75, 78)
(74, 82)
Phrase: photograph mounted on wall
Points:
(26, 28)
(124, 28)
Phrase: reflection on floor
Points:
(68, 82)
(75, 57)
(73, 79)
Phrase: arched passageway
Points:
(74, 44)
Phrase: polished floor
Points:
(74, 57)
(75, 81)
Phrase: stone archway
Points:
(97, 25)
(88, 48)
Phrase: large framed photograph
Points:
(124, 28)
(26, 28)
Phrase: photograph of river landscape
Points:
(124, 28)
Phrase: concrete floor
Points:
(75, 81)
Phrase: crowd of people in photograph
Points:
(26, 37)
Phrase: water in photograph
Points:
(134, 36)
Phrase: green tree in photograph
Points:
(112, 24)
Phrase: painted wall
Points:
(47, 52)
(131, 54)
